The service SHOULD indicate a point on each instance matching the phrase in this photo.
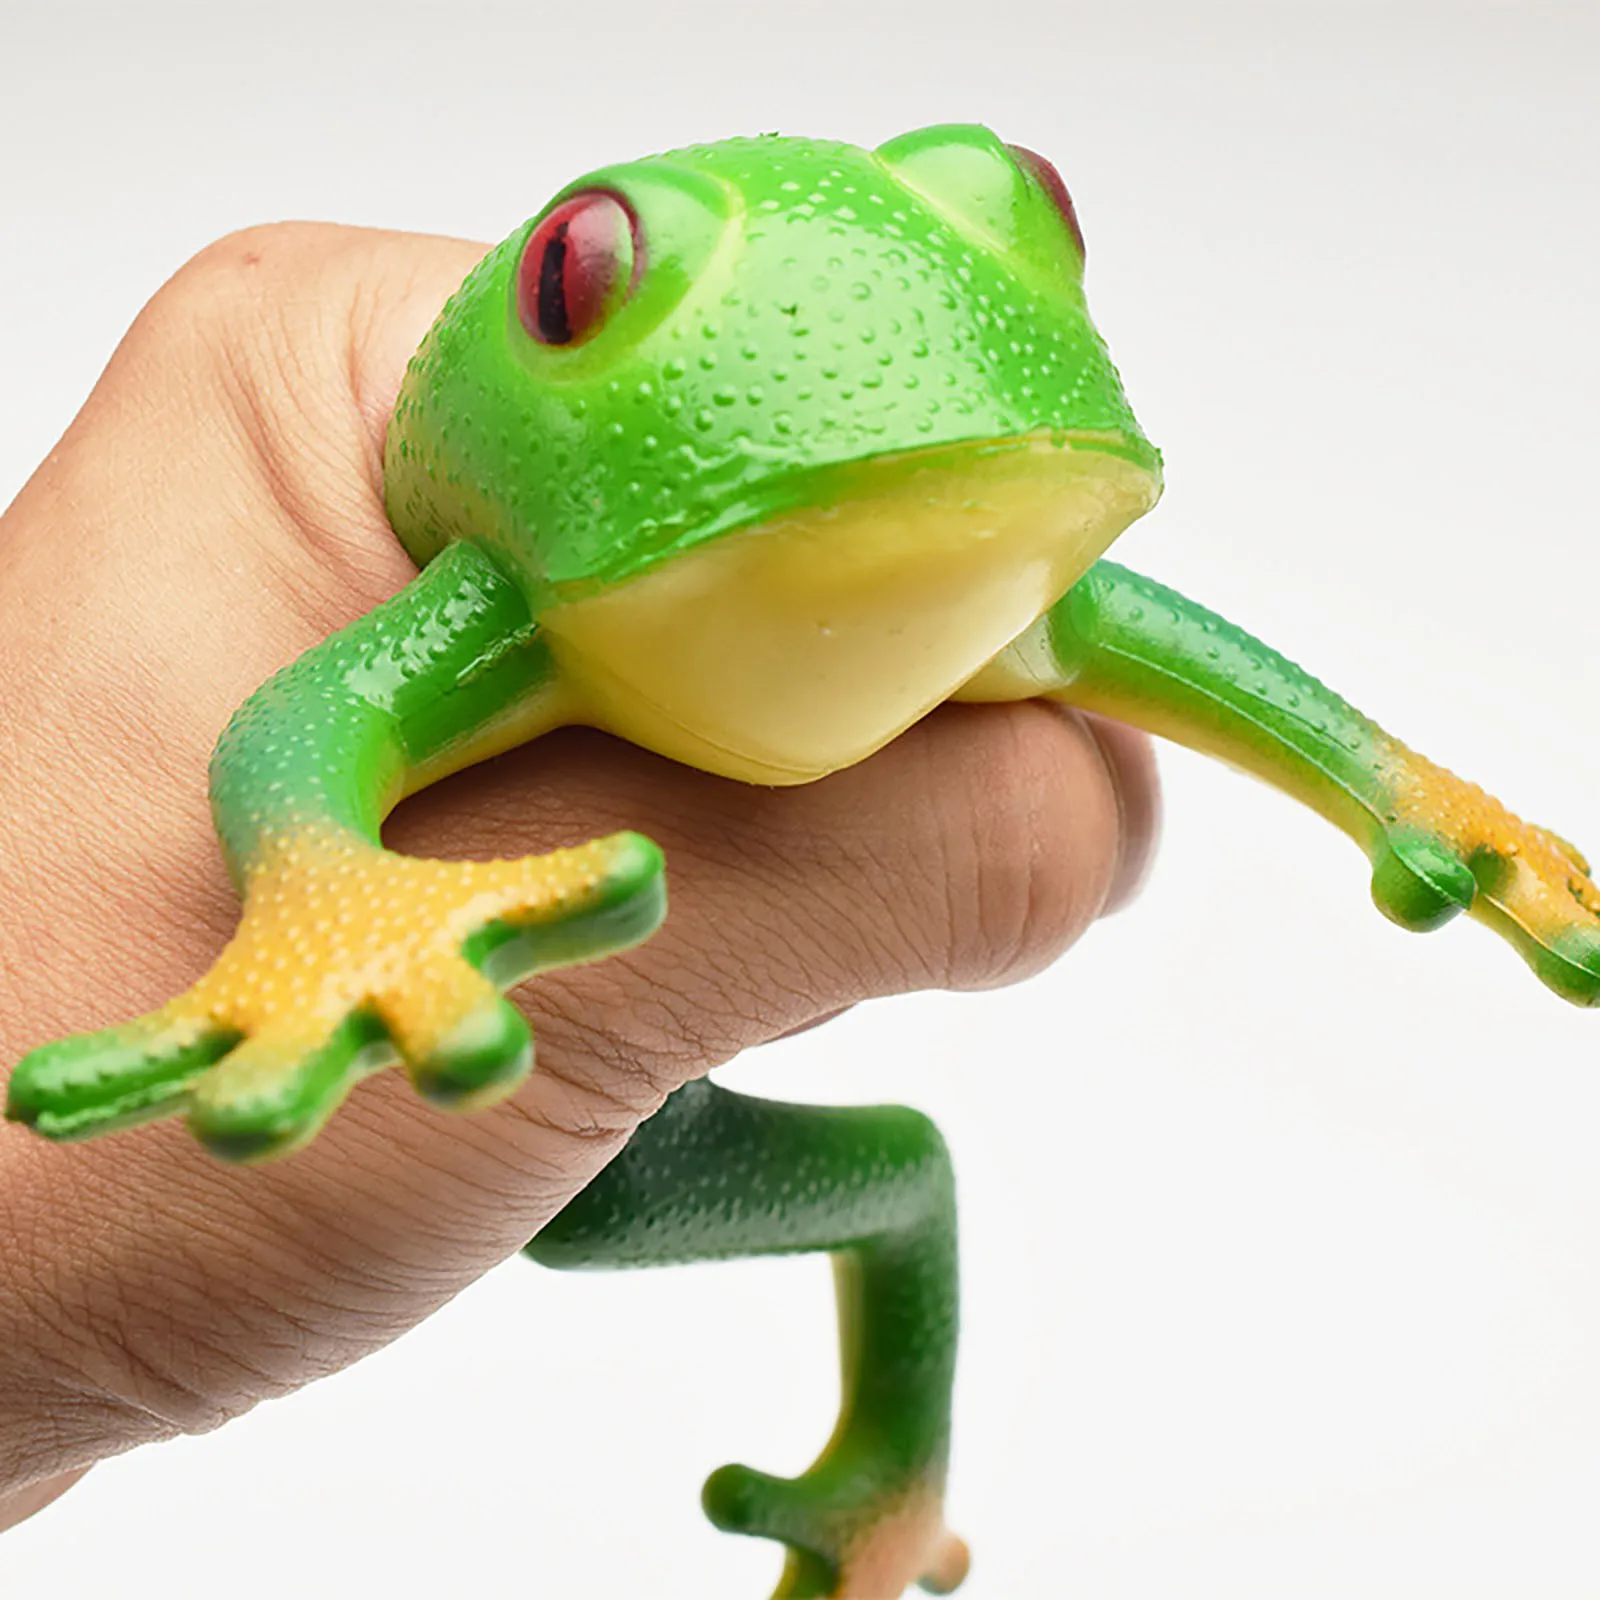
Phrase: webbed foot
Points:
(346, 959)
(848, 1537)
(1448, 847)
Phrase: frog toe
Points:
(95, 1082)
(465, 1045)
(850, 1535)
(272, 1093)
(739, 1499)
(1570, 964)
(1420, 881)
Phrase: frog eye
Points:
(1045, 175)
(577, 266)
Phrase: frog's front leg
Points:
(1135, 650)
(716, 1175)
(347, 956)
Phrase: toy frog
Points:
(751, 453)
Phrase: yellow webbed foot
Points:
(1450, 847)
(346, 959)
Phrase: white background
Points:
(1281, 1226)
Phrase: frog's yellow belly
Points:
(786, 651)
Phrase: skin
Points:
(752, 454)
(127, 1313)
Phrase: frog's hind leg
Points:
(717, 1175)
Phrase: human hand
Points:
(214, 511)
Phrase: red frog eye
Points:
(577, 265)
(1045, 175)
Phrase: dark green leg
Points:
(1129, 647)
(716, 1175)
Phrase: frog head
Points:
(784, 439)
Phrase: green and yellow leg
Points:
(716, 1175)
(1135, 650)
(347, 956)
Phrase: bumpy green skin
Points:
(331, 740)
(715, 1176)
(802, 309)
(1132, 648)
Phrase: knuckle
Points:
(223, 296)
(1031, 837)
(240, 268)
(216, 340)
(258, 333)
(258, 320)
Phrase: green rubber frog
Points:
(751, 453)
